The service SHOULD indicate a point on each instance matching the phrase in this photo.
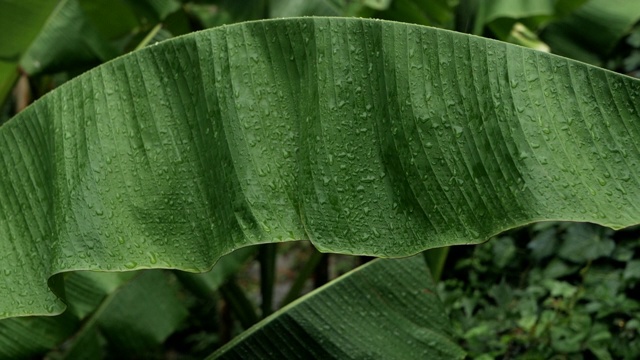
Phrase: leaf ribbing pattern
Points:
(367, 137)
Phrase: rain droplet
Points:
(458, 131)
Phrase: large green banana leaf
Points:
(367, 137)
(369, 313)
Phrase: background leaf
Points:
(17, 34)
(82, 33)
(368, 313)
(592, 30)
(585, 242)
(22, 338)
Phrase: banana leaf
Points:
(368, 313)
(366, 137)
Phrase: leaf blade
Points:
(367, 137)
(368, 313)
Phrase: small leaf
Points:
(543, 244)
(585, 242)
(632, 270)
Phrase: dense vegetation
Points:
(546, 290)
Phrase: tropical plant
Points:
(366, 137)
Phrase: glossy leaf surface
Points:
(367, 137)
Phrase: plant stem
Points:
(147, 39)
(321, 273)
(267, 260)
